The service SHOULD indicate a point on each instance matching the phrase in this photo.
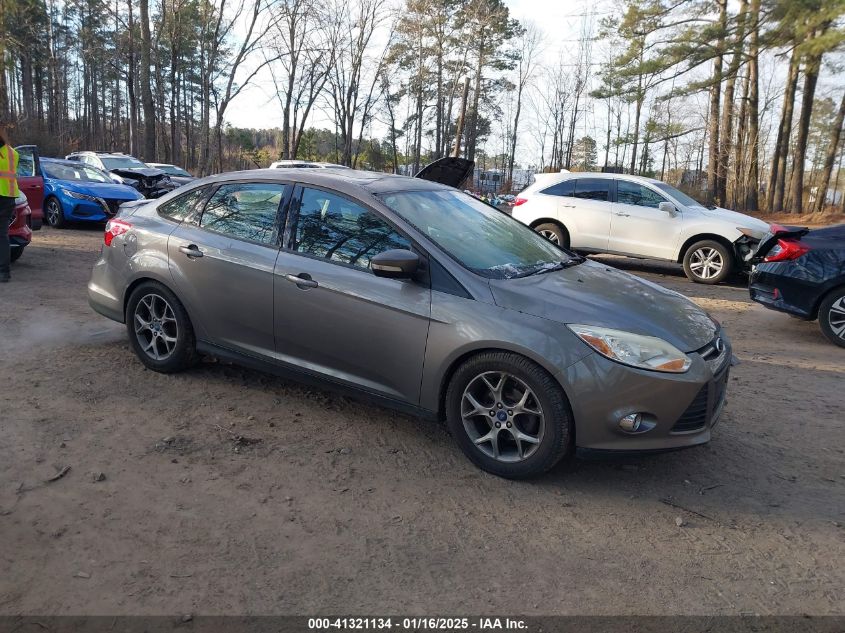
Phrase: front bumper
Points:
(679, 410)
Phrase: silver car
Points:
(423, 297)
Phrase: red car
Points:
(31, 183)
(20, 230)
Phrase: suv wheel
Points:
(159, 329)
(708, 262)
(508, 415)
(832, 317)
(53, 211)
(555, 233)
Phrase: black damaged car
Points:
(149, 181)
(802, 272)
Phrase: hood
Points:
(106, 190)
(147, 172)
(736, 219)
(448, 171)
(595, 294)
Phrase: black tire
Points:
(555, 233)
(183, 353)
(696, 255)
(16, 254)
(832, 316)
(54, 213)
(555, 440)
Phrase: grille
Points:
(113, 206)
(695, 417)
(713, 356)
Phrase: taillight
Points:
(519, 201)
(114, 228)
(786, 250)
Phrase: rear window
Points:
(593, 189)
(563, 188)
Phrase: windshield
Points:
(481, 238)
(678, 195)
(121, 162)
(174, 171)
(78, 172)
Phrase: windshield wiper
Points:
(554, 266)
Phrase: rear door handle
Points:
(302, 280)
(191, 251)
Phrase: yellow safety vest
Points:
(9, 172)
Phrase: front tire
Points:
(159, 329)
(54, 213)
(708, 262)
(555, 233)
(16, 253)
(832, 317)
(508, 415)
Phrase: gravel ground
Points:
(169, 507)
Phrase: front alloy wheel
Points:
(708, 262)
(54, 212)
(502, 416)
(509, 416)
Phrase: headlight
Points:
(78, 196)
(645, 352)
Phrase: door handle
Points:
(302, 280)
(624, 215)
(191, 251)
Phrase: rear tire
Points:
(54, 213)
(708, 262)
(832, 317)
(531, 428)
(159, 329)
(555, 233)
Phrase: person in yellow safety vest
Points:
(8, 192)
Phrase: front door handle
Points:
(191, 251)
(624, 215)
(302, 280)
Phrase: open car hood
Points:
(449, 170)
(140, 172)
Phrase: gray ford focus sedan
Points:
(419, 295)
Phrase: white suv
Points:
(639, 217)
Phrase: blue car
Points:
(76, 192)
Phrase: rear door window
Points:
(183, 207)
(245, 211)
(563, 188)
(593, 189)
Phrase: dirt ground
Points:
(348, 508)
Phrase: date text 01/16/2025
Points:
(416, 624)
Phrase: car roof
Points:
(339, 178)
(70, 163)
(551, 178)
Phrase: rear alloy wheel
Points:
(508, 415)
(832, 317)
(554, 233)
(159, 329)
(708, 262)
(54, 213)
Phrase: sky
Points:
(560, 20)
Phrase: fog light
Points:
(631, 422)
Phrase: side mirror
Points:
(395, 264)
(668, 207)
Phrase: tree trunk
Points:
(777, 177)
(726, 127)
(830, 158)
(147, 102)
(715, 98)
(811, 77)
(752, 184)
